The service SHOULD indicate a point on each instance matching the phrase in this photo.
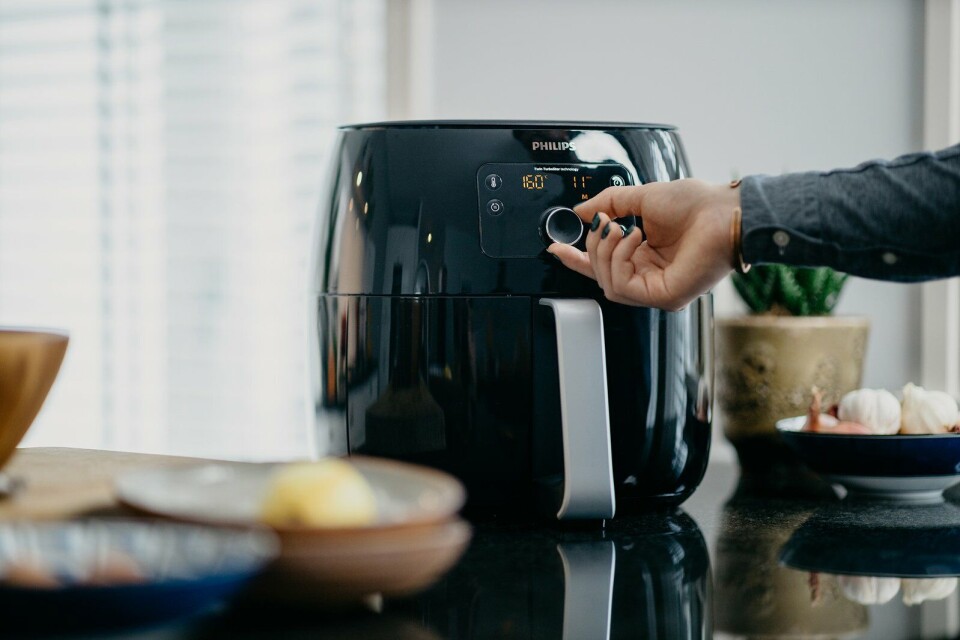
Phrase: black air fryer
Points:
(448, 336)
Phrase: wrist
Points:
(736, 229)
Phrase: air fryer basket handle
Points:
(584, 410)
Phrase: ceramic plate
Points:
(107, 574)
(415, 539)
(231, 493)
(915, 468)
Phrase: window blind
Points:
(160, 167)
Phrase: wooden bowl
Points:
(415, 539)
(326, 569)
(29, 363)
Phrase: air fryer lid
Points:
(469, 207)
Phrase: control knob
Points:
(560, 224)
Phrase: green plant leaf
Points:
(832, 290)
(795, 290)
(768, 278)
(792, 294)
(748, 287)
(819, 283)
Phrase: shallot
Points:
(827, 423)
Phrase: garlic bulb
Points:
(876, 409)
(869, 590)
(927, 411)
(916, 591)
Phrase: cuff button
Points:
(889, 258)
(781, 239)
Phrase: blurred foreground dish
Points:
(99, 574)
(413, 539)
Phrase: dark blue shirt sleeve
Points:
(891, 220)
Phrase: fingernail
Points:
(605, 232)
(595, 223)
(627, 231)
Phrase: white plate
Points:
(231, 493)
(913, 489)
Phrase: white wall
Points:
(755, 87)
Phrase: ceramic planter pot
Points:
(767, 366)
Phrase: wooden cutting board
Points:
(66, 483)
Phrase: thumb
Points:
(572, 258)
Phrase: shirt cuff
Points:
(781, 223)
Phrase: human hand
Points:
(688, 246)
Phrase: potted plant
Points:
(769, 360)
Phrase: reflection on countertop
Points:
(758, 597)
(646, 576)
(809, 565)
(766, 556)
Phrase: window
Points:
(941, 128)
(160, 166)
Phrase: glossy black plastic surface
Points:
(469, 385)
(431, 350)
(401, 216)
(649, 577)
(505, 124)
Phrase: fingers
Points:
(623, 268)
(609, 236)
(631, 271)
(617, 202)
(593, 239)
(572, 258)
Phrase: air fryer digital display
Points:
(556, 179)
(513, 198)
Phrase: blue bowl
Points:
(110, 574)
(897, 467)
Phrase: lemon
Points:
(327, 493)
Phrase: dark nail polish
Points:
(627, 231)
(605, 232)
(595, 223)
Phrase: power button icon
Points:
(494, 207)
(617, 181)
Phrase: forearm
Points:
(897, 220)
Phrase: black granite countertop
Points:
(717, 567)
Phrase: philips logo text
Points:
(553, 146)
